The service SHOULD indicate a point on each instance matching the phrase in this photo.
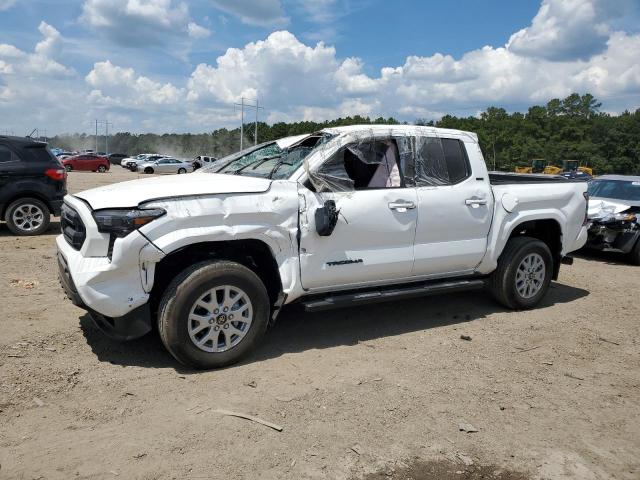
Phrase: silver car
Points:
(165, 165)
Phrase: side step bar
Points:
(350, 299)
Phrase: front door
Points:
(373, 237)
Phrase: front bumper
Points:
(134, 324)
(115, 289)
(613, 236)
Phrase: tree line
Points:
(572, 128)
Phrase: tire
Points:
(148, 170)
(177, 327)
(102, 169)
(27, 217)
(68, 168)
(634, 255)
(504, 282)
(181, 171)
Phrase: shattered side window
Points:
(431, 166)
(407, 165)
(365, 164)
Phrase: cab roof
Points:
(378, 129)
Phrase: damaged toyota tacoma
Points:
(342, 217)
(614, 215)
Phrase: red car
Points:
(88, 162)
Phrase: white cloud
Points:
(41, 61)
(197, 31)
(50, 44)
(9, 51)
(281, 68)
(297, 80)
(266, 13)
(568, 29)
(138, 23)
(121, 87)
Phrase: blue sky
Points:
(171, 65)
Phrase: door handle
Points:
(475, 202)
(402, 206)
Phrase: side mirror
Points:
(326, 218)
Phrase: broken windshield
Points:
(268, 160)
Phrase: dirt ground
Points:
(368, 393)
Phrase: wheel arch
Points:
(253, 254)
(548, 231)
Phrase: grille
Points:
(72, 227)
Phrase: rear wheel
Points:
(182, 170)
(102, 169)
(213, 314)
(148, 170)
(524, 273)
(28, 216)
(68, 168)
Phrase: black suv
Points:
(116, 158)
(32, 185)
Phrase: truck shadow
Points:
(297, 331)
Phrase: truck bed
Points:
(506, 178)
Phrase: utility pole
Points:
(96, 137)
(257, 107)
(241, 122)
(106, 136)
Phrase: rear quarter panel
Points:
(562, 202)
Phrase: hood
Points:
(135, 192)
(600, 208)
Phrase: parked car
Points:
(133, 165)
(86, 162)
(143, 156)
(203, 160)
(343, 217)
(614, 215)
(165, 165)
(116, 158)
(32, 185)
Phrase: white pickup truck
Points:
(341, 217)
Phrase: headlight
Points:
(121, 222)
(629, 217)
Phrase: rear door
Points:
(455, 206)
(373, 238)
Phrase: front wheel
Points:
(28, 216)
(181, 170)
(213, 314)
(148, 170)
(524, 273)
(102, 169)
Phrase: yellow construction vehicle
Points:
(537, 166)
(574, 165)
